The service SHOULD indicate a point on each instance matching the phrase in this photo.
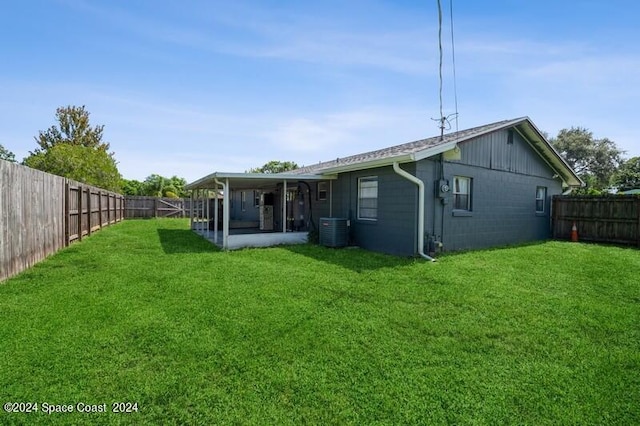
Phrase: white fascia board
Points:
(197, 184)
(554, 159)
(430, 152)
(209, 180)
(371, 164)
(271, 176)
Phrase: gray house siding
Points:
(236, 210)
(505, 173)
(499, 151)
(321, 208)
(503, 209)
(394, 231)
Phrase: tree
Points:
(7, 155)
(131, 187)
(594, 160)
(159, 186)
(73, 129)
(628, 175)
(87, 165)
(153, 185)
(275, 167)
(75, 150)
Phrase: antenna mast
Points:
(443, 121)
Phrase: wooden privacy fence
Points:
(89, 209)
(148, 207)
(41, 213)
(606, 219)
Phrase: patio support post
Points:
(284, 206)
(196, 209)
(225, 215)
(191, 211)
(215, 215)
(206, 197)
(201, 208)
(199, 196)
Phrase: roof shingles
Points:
(406, 148)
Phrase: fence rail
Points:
(605, 219)
(89, 209)
(41, 213)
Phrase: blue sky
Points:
(191, 87)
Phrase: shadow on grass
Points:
(355, 259)
(176, 241)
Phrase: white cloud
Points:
(262, 33)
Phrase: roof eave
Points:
(439, 149)
(549, 154)
(208, 181)
(371, 164)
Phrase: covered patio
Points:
(253, 209)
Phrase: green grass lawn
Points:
(149, 313)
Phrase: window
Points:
(368, 198)
(541, 196)
(243, 200)
(461, 193)
(256, 199)
(322, 191)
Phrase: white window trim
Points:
(468, 193)
(325, 191)
(543, 199)
(365, 178)
(243, 200)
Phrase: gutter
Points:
(420, 184)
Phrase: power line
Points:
(453, 56)
(441, 119)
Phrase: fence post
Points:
(100, 208)
(89, 213)
(67, 213)
(79, 212)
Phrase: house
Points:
(482, 187)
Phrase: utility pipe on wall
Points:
(420, 184)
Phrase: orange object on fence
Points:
(574, 233)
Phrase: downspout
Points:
(411, 178)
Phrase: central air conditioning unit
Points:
(334, 231)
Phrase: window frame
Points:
(542, 199)
(362, 180)
(243, 200)
(468, 194)
(256, 199)
(322, 191)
